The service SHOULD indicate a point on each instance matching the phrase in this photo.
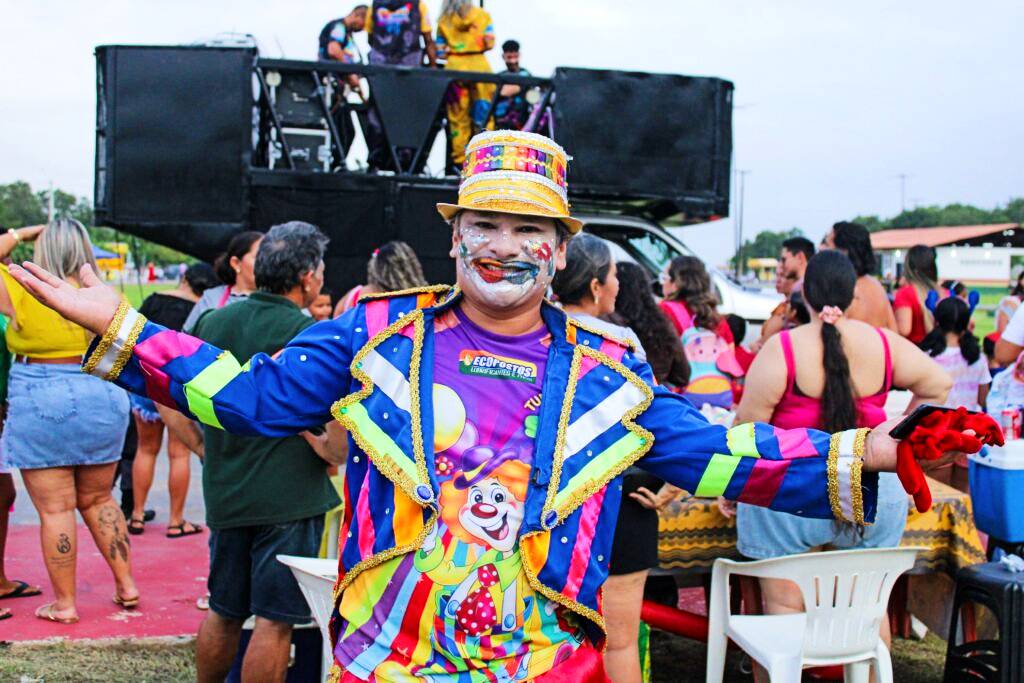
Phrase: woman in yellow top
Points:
(464, 34)
(64, 428)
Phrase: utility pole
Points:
(739, 226)
(49, 217)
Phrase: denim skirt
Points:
(59, 416)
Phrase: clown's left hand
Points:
(880, 451)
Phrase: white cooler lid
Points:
(1008, 457)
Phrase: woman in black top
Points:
(170, 309)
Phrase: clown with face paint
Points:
(488, 437)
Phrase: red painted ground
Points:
(171, 574)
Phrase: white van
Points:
(652, 246)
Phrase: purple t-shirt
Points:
(468, 608)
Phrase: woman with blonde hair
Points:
(392, 268)
(64, 428)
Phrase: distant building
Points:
(763, 268)
(974, 254)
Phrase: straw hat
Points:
(510, 171)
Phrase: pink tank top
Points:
(799, 410)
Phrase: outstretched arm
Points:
(267, 396)
(801, 471)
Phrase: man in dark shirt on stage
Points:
(511, 110)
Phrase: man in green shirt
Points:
(264, 497)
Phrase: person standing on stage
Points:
(464, 34)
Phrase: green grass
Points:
(984, 323)
(137, 293)
(122, 660)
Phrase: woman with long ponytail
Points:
(845, 372)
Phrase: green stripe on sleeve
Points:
(742, 441)
(717, 475)
(199, 392)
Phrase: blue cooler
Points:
(997, 490)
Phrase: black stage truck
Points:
(194, 144)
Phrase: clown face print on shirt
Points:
(504, 260)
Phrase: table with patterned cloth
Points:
(693, 534)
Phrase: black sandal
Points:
(136, 527)
(196, 529)
(21, 590)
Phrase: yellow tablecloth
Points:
(693, 533)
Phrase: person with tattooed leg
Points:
(489, 434)
(64, 429)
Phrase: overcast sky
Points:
(833, 100)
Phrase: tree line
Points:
(20, 205)
(767, 242)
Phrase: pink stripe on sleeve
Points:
(794, 443)
(584, 537)
(156, 352)
(163, 347)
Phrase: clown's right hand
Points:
(92, 305)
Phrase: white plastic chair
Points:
(316, 578)
(845, 597)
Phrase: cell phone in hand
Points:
(907, 424)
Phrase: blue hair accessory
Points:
(932, 300)
(973, 298)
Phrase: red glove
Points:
(938, 433)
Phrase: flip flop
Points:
(196, 529)
(46, 612)
(22, 591)
(136, 527)
(127, 603)
(5, 614)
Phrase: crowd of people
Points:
(483, 551)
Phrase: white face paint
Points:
(505, 260)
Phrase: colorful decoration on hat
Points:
(514, 172)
